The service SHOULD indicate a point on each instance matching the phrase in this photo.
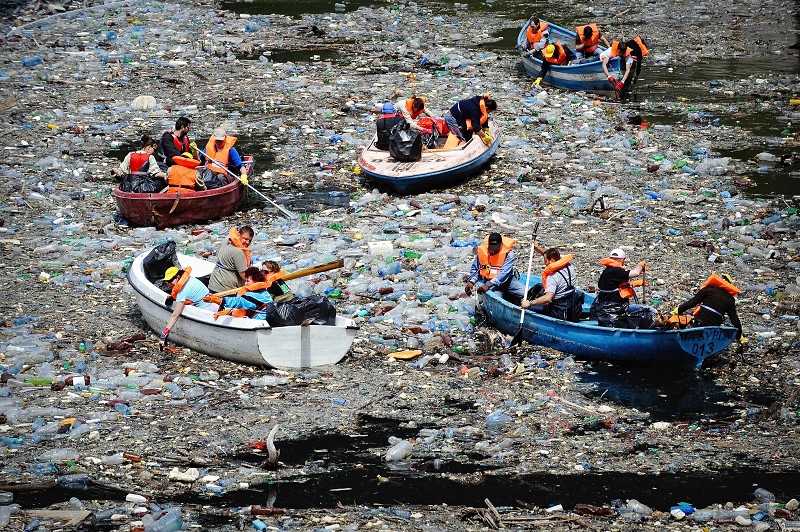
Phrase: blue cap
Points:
(387, 109)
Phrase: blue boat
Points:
(587, 76)
(680, 350)
(438, 168)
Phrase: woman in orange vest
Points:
(560, 299)
(411, 109)
(141, 160)
(554, 54)
(277, 287)
(587, 41)
(614, 290)
(715, 299)
(493, 266)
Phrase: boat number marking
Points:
(704, 340)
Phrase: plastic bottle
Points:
(497, 420)
(59, 455)
(77, 481)
(389, 269)
(31, 60)
(6, 497)
(123, 409)
(420, 362)
(764, 496)
(399, 451)
(169, 522)
(639, 508)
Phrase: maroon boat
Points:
(169, 210)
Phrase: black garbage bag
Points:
(535, 291)
(319, 309)
(641, 317)
(405, 144)
(160, 258)
(609, 313)
(283, 314)
(213, 179)
(142, 183)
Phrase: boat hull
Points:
(587, 77)
(436, 169)
(170, 210)
(680, 350)
(241, 339)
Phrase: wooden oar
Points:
(296, 274)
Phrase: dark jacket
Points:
(168, 147)
(716, 298)
(469, 108)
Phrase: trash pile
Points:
(88, 405)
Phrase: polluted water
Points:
(431, 421)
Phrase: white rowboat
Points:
(240, 339)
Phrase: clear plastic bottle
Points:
(399, 451)
(764, 495)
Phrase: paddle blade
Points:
(517, 338)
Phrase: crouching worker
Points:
(184, 179)
(185, 290)
(560, 300)
(715, 299)
(494, 266)
(253, 300)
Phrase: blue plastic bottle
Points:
(31, 60)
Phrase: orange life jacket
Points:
(187, 274)
(642, 47)
(233, 234)
(222, 156)
(590, 45)
(625, 288)
(409, 105)
(716, 280)
(490, 265)
(615, 50)
(681, 319)
(180, 178)
(536, 36)
(559, 56)
(553, 267)
(484, 118)
(137, 160)
(254, 287)
(186, 161)
(274, 276)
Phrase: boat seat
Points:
(452, 142)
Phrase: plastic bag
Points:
(142, 183)
(319, 309)
(160, 258)
(213, 179)
(405, 144)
